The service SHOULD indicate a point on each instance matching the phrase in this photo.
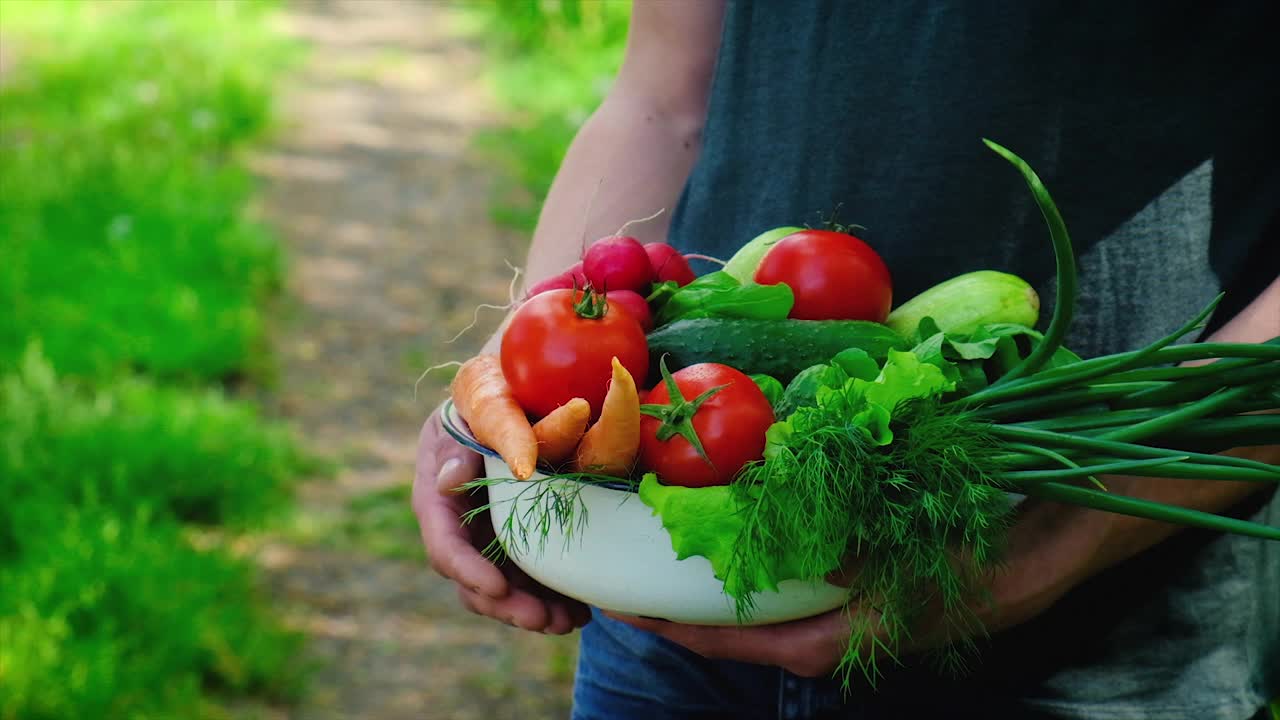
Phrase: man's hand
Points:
(1050, 552)
(505, 593)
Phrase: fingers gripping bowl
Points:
(619, 558)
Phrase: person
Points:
(1155, 130)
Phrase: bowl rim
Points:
(458, 430)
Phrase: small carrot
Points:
(558, 433)
(610, 446)
(485, 401)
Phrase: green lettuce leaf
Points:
(770, 386)
(904, 377)
(707, 521)
(972, 360)
(856, 363)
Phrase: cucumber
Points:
(742, 266)
(961, 304)
(781, 348)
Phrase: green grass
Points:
(134, 282)
(97, 581)
(126, 241)
(552, 62)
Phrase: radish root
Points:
(423, 376)
(511, 302)
(629, 223)
(515, 278)
(708, 258)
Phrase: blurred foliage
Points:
(99, 586)
(130, 274)
(122, 195)
(552, 61)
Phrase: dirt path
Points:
(383, 205)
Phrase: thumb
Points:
(454, 473)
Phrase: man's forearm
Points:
(633, 156)
(626, 162)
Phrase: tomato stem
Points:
(677, 414)
(592, 305)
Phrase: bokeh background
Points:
(233, 234)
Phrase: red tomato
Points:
(634, 305)
(834, 276)
(730, 424)
(560, 345)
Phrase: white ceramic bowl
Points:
(620, 558)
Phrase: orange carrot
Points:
(485, 401)
(610, 446)
(558, 433)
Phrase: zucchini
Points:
(961, 304)
(743, 264)
(781, 348)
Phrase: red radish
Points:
(576, 276)
(618, 263)
(632, 304)
(668, 264)
(571, 278)
(555, 282)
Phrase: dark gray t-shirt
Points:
(1155, 128)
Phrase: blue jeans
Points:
(629, 674)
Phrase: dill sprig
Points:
(924, 517)
(554, 501)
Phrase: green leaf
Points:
(927, 328)
(776, 437)
(660, 294)
(857, 363)
(719, 294)
(801, 391)
(904, 377)
(971, 359)
(771, 388)
(707, 521)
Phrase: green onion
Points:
(1136, 507)
(1197, 387)
(1124, 449)
(1020, 476)
(1065, 261)
(1198, 409)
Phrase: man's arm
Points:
(1053, 547)
(633, 156)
